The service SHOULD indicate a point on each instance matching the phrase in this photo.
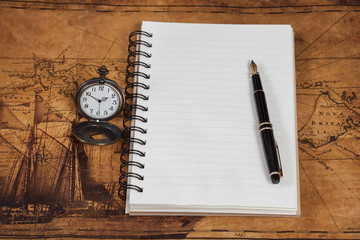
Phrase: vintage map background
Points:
(53, 186)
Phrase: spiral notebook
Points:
(191, 126)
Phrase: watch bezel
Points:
(98, 81)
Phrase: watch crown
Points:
(103, 71)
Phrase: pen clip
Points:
(279, 159)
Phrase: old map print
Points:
(44, 171)
(53, 186)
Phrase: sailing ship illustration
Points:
(48, 177)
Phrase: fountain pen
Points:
(266, 133)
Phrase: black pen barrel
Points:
(266, 130)
(260, 101)
(268, 142)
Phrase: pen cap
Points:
(271, 155)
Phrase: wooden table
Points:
(52, 186)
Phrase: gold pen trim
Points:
(270, 128)
(273, 173)
(264, 123)
(258, 91)
(279, 159)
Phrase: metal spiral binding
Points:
(131, 73)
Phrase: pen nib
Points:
(253, 68)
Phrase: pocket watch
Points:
(99, 100)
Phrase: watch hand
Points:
(98, 100)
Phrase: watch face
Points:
(99, 101)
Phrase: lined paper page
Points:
(203, 151)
